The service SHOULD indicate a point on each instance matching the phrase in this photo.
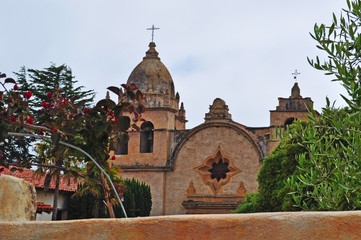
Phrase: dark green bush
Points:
(276, 168)
(137, 202)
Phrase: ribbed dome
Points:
(151, 76)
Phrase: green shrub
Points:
(137, 202)
(276, 168)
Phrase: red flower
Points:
(43, 103)
(49, 95)
(16, 87)
(86, 111)
(41, 132)
(113, 158)
(28, 95)
(12, 118)
(133, 86)
(30, 120)
(52, 130)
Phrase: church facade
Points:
(207, 169)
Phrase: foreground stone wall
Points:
(17, 199)
(272, 226)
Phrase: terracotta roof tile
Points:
(66, 184)
(42, 207)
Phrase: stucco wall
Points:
(198, 147)
(48, 198)
(271, 226)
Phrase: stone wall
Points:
(236, 146)
(17, 199)
(271, 226)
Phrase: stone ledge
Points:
(298, 225)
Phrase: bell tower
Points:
(288, 110)
(164, 114)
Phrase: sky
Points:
(241, 51)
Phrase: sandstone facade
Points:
(207, 169)
(17, 199)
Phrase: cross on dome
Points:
(295, 74)
(152, 28)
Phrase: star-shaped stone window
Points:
(217, 170)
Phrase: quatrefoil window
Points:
(217, 170)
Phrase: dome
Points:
(151, 76)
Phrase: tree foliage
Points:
(276, 168)
(53, 80)
(328, 172)
(65, 120)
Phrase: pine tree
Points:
(49, 80)
(43, 84)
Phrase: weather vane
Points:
(152, 28)
(295, 75)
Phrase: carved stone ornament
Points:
(217, 170)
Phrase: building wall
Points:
(277, 120)
(48, 198)
(235, 144)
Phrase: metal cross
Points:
(152, 28)
(295, 75)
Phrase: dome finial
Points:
(295, 91)
(151, 53)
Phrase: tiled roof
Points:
(66, 184)
(42, 207)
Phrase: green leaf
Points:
(106, 102)
(124, 123)
(10, 80)
(115, 90)
(3, 133)
(123, 138)
(117, 110)
(140, 109)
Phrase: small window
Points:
(146, 137)
(122, 149)
(289, 121)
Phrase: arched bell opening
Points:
(146, 137)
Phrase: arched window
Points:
(122, 149)
(289, 121)
(146, 137)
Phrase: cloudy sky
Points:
(241, 51)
